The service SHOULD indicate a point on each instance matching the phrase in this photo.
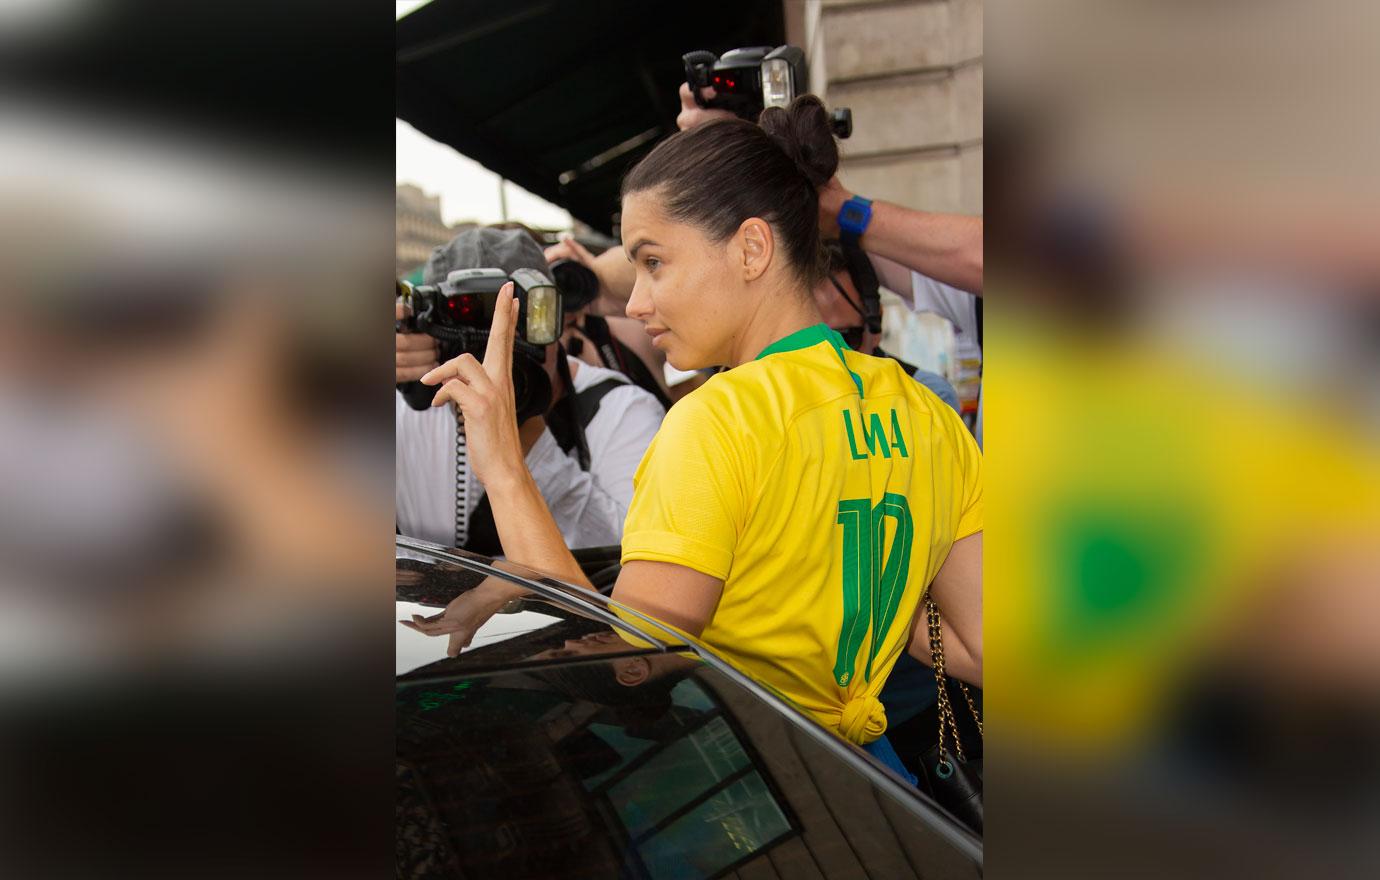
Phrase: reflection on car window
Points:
(700, 761)
(723, 828)
(631, 756)
(493, 633)
(699, 796)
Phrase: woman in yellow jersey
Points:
(793, 511)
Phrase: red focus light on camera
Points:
(463, 308)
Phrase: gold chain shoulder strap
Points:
(946, 712)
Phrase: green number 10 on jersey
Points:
(872, 588)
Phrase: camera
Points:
(458, 313)
(747, 81)
(577, 283)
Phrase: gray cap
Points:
(482, 248)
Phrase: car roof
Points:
(430, 576)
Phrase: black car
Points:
(555, 747)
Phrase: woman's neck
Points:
(776, 317)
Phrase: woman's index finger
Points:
(498, 356)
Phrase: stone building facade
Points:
(911, 70)
(418, 228)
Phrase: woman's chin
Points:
(683, 363)
(678, 357)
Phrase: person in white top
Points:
(933, 261)
(437, 496)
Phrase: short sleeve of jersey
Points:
(688, 502)
(968, 458)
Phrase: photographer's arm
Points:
(692, 114)
(946, 247)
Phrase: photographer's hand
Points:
(484, 394)
(616, 275)
(414, 354)
(692, 114)
(570, 249)
(832, 195)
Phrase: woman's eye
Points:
(651, 263)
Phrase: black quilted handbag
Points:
(952, 780)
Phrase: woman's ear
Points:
(757, 246)
(632, 671)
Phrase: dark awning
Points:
(560, 96)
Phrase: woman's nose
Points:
(639, 303)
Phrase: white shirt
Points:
(956, 306)
(589, 506)
(959, 308)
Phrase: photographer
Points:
(944, 247)
(844, 308)
(932, 261)
(438, 494)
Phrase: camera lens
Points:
(531, 388)
(577, 283)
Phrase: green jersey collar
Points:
(812, 336)
(803, 339)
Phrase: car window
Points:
(589, 767)
(654, 782)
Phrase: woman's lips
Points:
(655, 333)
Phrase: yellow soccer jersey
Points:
(825, 488)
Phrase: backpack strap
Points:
(587, 401)
(572, 415)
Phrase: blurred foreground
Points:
(1183, 440)
(194, 462)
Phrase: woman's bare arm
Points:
(957, 591)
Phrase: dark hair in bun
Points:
(803, 132)
(719, 174)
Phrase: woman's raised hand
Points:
(484, 393)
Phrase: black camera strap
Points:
(908, 367)
(864, 277)
(563, 418)
(570, 432)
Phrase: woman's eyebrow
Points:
(632, 254)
